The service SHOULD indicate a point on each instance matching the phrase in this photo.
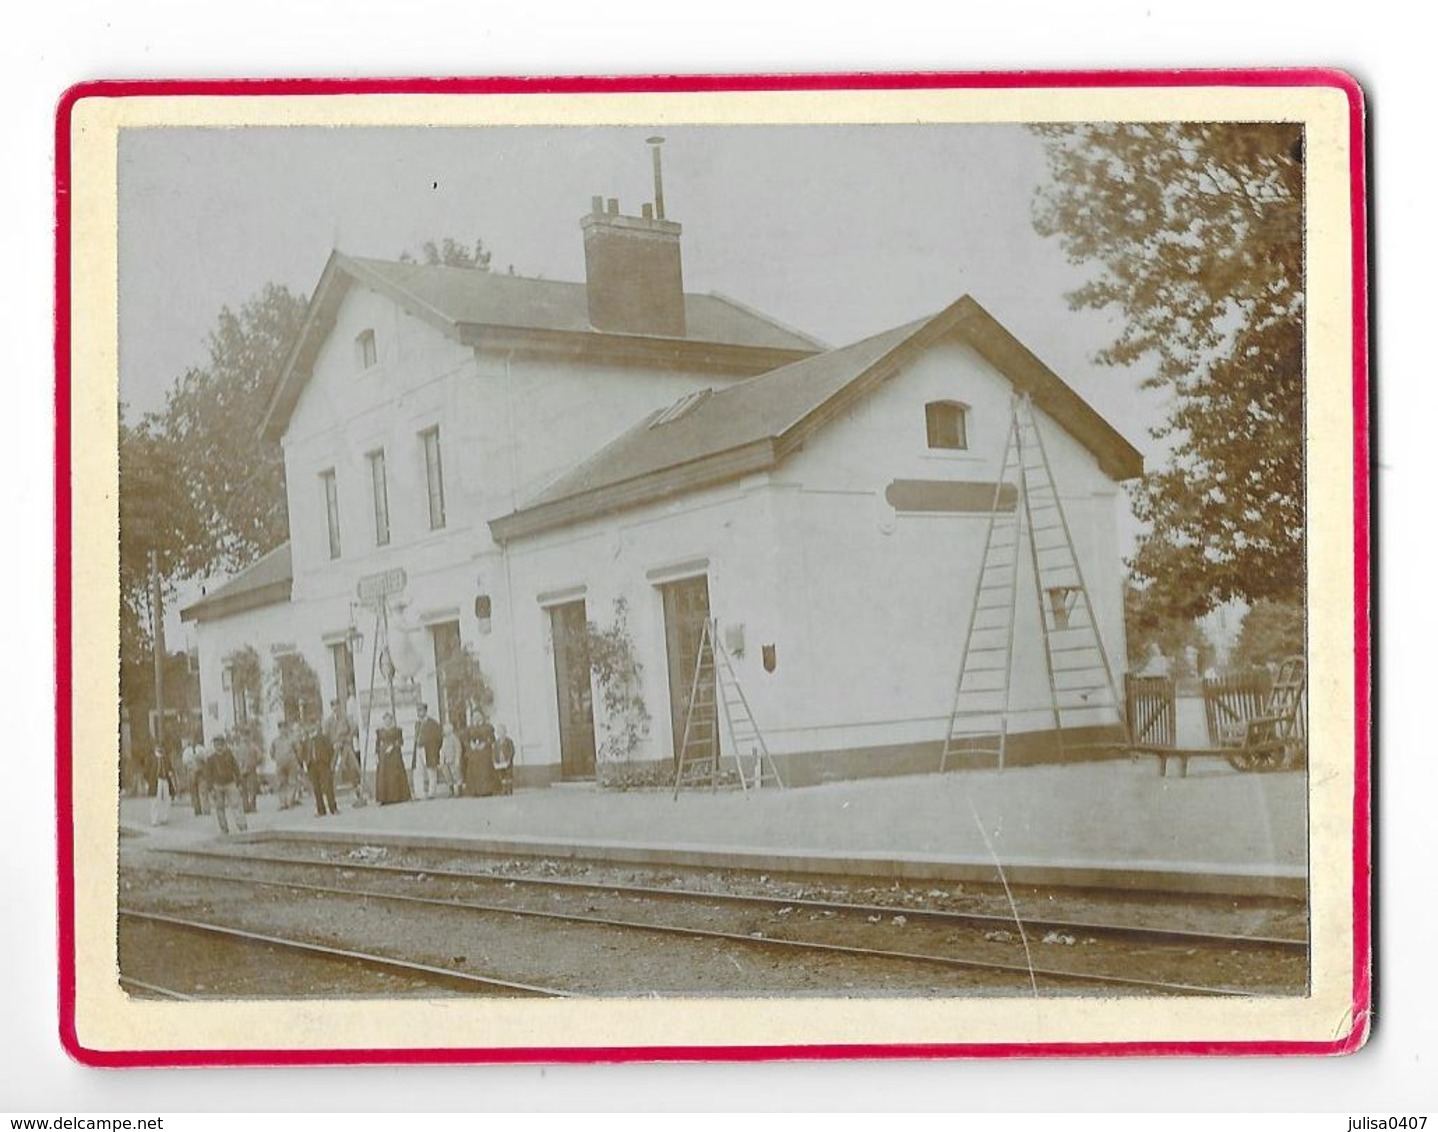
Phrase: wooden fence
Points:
(1229, 702)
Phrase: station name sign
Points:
(372, 587)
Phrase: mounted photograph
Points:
(643, 574)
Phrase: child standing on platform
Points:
(504, 759)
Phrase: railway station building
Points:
(526, 467)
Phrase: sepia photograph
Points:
(765, 577)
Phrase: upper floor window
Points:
(433, 477)
(332, 510)
(947, 424)
(379, 488)
(365, 353)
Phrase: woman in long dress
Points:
(391, 781)
(478, 740)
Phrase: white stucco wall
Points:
(866, 608)
(880, 601)
(264, 629)
(726, 533)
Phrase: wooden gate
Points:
(1151, 706)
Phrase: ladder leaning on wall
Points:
(1026, 520)
(699, 750)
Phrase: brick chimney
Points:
(631, 267)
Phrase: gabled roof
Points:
(481, 306)
(751, 426)
(264, 582)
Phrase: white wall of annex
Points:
(882, 599)
(268, 629)
(726, 533)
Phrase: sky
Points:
(839, 231)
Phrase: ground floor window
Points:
(344, 664)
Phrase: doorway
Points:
(686, 609)
(447, 650)
(568, 624)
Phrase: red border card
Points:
(71, 625)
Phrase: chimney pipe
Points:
(654, 144)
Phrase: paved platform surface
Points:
(1108, 823)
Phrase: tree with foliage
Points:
(235, 481)
(1271, 632)
(449, 252)
(1196, 234)
(155, 515)
(1147, 621)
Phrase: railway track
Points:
(425, 973)
(1000, 952)
(979, 920)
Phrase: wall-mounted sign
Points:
(405, 695)
(372, 587)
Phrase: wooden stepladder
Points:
(1028, 533)
(716, 685)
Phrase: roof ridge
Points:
(902, 331)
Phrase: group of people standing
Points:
(472, 762)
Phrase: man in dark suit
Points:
(319, 754)
(428, 738)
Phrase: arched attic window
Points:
(366, 354)
(948, 424)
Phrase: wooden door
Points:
(686, 608)
(567, 625)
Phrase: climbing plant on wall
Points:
(294, 689)
(246, 676)
(618, 675)
(465, 686)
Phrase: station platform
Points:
(1111, 824)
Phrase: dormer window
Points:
(366, 356)
(948, 424)
(686, 403)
